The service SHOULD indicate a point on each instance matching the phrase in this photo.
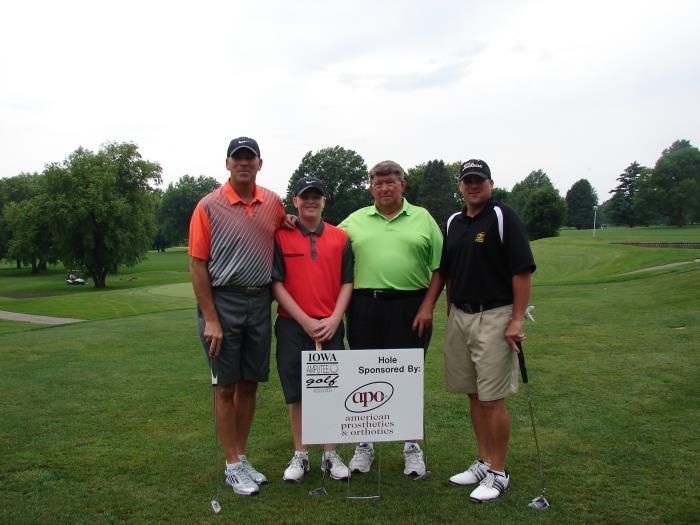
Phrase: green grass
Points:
(109, 421)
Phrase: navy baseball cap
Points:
(475, 167)
(243, 142)
(308, 183)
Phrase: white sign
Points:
(351, 396)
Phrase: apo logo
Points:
(369, 397)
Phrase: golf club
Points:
(215, 506)
(379, 479)
(427, 473)
(539, 502)
(321, 491)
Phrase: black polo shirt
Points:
(477, 263)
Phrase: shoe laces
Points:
(475, 467)
(298, 460)
(491, 481)
(239, 473)
(364, 451)
(413, 454)
(247, 465)
(333, 458)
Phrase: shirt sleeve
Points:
(517, 245)
(346, 272)
(200, 234)
(436, 242)
(278, 268)
(444, 265)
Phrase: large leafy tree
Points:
(15, 190)
(673, 187)
(102, 208)
(580, 200)
(544, 213)
(175, 208)
(28, 222)
(623, 207)
(500, 194)
(344, 175)
(414, 178)
(436, 192)
(520, 193)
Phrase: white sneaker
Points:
(239, 480)
(414, 464)
(256, 476)
(332, 464)
(297, 467)
(492, 487)
(474, 474)
(362, 460)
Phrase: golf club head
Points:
(320, 491)
(423, 476)
(528, 313)
(215, 506)
(539, 503)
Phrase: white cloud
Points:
(577, 89)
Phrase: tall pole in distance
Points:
(595, 212)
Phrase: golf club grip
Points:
(521, 362)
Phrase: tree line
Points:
(98, 210)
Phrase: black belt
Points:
(244, 290)
(475, 308)
(385, 293)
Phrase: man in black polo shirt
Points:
(488, 265)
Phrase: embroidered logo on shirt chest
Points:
(480, 237)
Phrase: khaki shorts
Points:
(478, 360)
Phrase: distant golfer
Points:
(488, 266)
(397, 249)
(231, 246)
(312, 282)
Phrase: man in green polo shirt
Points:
(397, 248)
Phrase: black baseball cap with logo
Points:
(243, 143)
(475, 167)
(308, 183)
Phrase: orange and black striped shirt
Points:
(234, 237)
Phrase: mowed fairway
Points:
(109, 420)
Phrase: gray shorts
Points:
(291, 340)
(478, 359)
(245, 348)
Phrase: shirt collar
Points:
(305, 231)
(406, 207)
(234, 198)
(488, 206)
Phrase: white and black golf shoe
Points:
(491, 488)
(239, 480)
(474, 474)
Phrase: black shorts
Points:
(385, 321)
(291, 340)
(245, 348)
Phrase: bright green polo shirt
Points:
(399, 254)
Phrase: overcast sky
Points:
(577, 89)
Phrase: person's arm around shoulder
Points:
(213, 333)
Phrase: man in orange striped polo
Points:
(231, 246)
